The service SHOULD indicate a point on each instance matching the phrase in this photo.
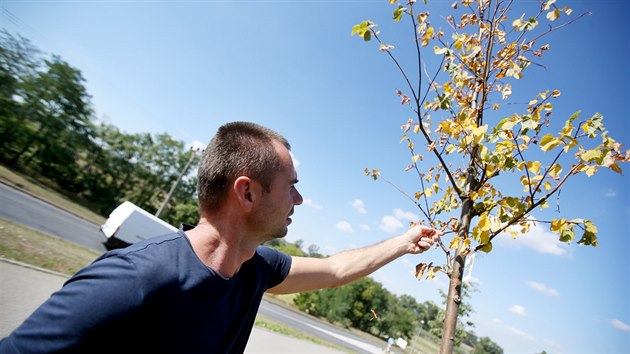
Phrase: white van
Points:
(128, 224)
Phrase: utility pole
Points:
(179, 178)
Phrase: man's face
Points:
(273, 214)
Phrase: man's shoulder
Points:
(269, 253)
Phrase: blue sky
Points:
(186, 67)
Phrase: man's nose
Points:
(297, 197)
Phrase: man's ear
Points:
(246, 190)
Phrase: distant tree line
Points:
(366, 305)
(49, 131)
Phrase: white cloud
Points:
(309, 202)
(365, 227)
(610, 193)
(620, 325)
(555, 347)
(543, 288)
(499, 326)
(390, 224)
(196, 145)
(518, 310)
(393, 223)
(401, 214)
(345, 227)
(296, 162)
(359, 206)
(537, 239)
(474, 280)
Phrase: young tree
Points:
(461, 114)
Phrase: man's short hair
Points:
(237, 149)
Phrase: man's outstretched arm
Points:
(308, 273)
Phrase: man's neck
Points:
(221, 247)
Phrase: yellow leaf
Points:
(524, 180)
(547, 185)
(555, 94)
(484, 237)
(591, 155)
(549, 142)
(432, 272)
(484, 223)
(455, 243)
(479, 133)
(464, 245)
(558, 225)
(555, 171)
(533, 166)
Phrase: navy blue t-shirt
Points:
(155, 296)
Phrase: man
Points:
(198, 290)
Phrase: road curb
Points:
(30, 266)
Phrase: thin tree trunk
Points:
(455, 286)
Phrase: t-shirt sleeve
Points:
(101, 293)
(279, 264)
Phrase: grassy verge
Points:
(267, 323)
(23, 244)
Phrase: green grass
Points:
(23, 244)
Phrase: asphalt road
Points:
(24, 209)
(32, 212)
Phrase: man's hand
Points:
(421, 238)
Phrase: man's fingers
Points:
(425, 243)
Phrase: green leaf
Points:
(567, 235)
(363, 30)
(588, 239)
(574, 116)
(590, 227)
(399, 12)
(487, 247)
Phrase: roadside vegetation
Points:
(23, 244)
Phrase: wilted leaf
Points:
(553, 15)
(421, 268)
